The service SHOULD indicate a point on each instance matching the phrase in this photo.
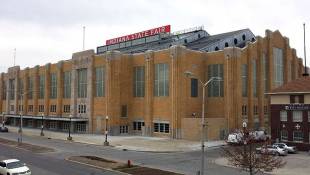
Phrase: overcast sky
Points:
(45, 31)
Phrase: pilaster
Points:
(47, 89)
(149, 95)
(59, 88)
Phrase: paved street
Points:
(43, 164)
(183, 162)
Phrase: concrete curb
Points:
(94, 166)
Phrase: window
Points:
(30, 108)
(30, 87)
(297, 116)
(161, 80)
(244, 110)
(138, 81)
(283, 116)
(243, 37)
(298, 136)
(67, 85)
(53, 85)
(255, 110)
(53, 108)
(66, 108)
(4, 90)
(11, 107)
(265, 110)
(41, 86)
(100, 83)
(194, 87)
(244, 76)
(137, 125)
(20, 88)
(123, 129)
(296, 99)
(82, 83)
(124, 111)
(284, 135)
(278, 66)
(12, 89)
(215, 88)
(235, 41)
(41, 108)
(20, 108)
(254, 79)
(265, 72)
(161, 127)
(82, 109)
(80, 127)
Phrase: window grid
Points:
(67, 84)
(265, 72)
(4, 90)
(283, 116)
(284, 135)
(254, 79)
(20, 88)
(99, 83)
(215, 88)
(278, 66)
(161, 87)
(194, 87)
(30, 87)
(297, 116)
(41, 86)
(161, 127)
(41, 108)
(137, 125)
(53, 85)
(30, 108)
(53, 108)
(12, 89)
(244, 75)
(139, 81)
(82, 83)
(298, 136)
(66, 108)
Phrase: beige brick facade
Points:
(176, 109)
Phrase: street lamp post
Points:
(106, 143)
(20, 140)
(69, 137)
(3, 119)
(203, 124)
(42, 125)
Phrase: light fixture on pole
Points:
(106, 143)
(42, 125)
(69, 137)
(203, 123)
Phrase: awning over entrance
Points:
(74, 119)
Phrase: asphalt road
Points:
(42, 164)
(183, 162)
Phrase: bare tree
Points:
(246, 158)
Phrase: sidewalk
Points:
(295, 164)
(135, 143)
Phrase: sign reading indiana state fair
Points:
(146, 33)
(297, 107)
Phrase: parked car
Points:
(13, 166)
(4, 129)
(234, 138)
(272, 149)
(290, 149)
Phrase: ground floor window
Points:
(161, 127)
(284, 135)
(80, 127)
(123, 129)
(137, 125)
(298, 136)
(52, 125)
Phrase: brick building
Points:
(290, 113)
(140, 85)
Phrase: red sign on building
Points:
(146, 33)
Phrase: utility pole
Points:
(306, 72)
(14, 57)
(83, 37)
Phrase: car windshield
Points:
(13, 165)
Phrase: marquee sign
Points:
(300, 107)
(146, 33)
